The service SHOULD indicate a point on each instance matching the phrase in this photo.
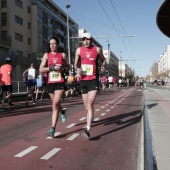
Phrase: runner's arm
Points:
(66, 62)
(102, 58)
(43, 68)
(77, 56)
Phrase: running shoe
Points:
(34, 101)
(51, 132)
(11, 104)
(63, 115)
(26, 101)
(3, 109)
(3, 101)
(86, 134)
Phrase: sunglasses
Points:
(83, 39)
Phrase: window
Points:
(40, 30)
(29, 25)
(29, 40)
(4, 19)
(20, 53)
(18, 37)
(18, 20)
(3, 4)
(18, 3)
(29, 9)
(39, 15)
(50, 22)
(4, 32)
(40, 45)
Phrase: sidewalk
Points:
(158, 110)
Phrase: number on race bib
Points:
(55, 76)
(87, 69)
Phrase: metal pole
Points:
(108, 57)
(68, 32)
(120, 65)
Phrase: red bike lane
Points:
(113, 144)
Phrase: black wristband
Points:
(63, 69)
(51, 68)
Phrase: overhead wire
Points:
(113, 26)
(121, 25)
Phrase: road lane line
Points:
(50, 154)
(26, 151)
(83, 118)
(102, 106)
(97, 110)
(96, 119)
(71, 125)
(107, 110)
(56, 134)
(102, 114)
(72, 137)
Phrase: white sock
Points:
(88, 128)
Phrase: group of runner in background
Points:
(113, 82)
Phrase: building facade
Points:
(25, 28)
(164, 61)
(112, 63)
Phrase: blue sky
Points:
(118, 18)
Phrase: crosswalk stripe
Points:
(26, 151)
(96, 119)
(72, 137)
(50, 154)
(56, 134)
(102, 114)
(83, 118)
(71, 125)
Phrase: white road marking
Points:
(83, 118)
(72, 137)
(102, 106)
(56, 134)
(97, 110)
(71, 125)
(96, 119)
(102, 114)
(111, 107)
(50, 154)
(107, 110)
(26, 151)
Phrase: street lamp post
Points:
(108, 57)
(68, 31)
(120, 65)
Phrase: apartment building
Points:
(111, 63)
(164, 61)
(25, 28)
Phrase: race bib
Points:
(55, 76)
(87, 69)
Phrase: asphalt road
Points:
(114, 135)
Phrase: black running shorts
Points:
(89, 85)
(51, 87)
